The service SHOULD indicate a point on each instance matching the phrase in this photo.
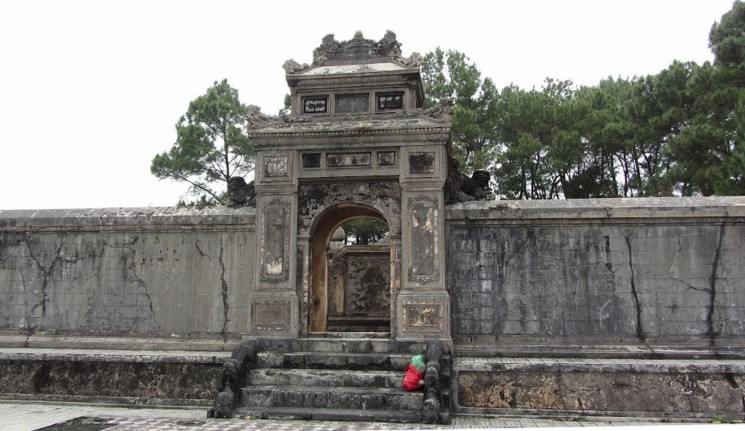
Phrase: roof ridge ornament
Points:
(356, 50)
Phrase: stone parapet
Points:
(162, 218)
(574, 210)
(555, 274)
(149, 272)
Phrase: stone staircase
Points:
(349, 376)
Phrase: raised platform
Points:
(140, 372)
(674, 388)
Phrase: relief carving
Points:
(422, 163)
(275, 166)
(424, 238)
(271, 315)
(461, 188)
(241, 194)
(384, 196)
(423, 317)
(347, 160)
(275, 243)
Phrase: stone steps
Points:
(334, 414)
(348, 398)
(333, 378)
(334, 360)
(330, 378)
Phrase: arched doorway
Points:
(350, 285)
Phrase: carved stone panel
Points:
(423, 316)
(423, 218)
(384, 196)
(348, 160)
(275, 242)
(271, 315)
(311, 160)
(422, 163)
(275, 166)
(386, 158)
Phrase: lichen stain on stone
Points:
(273, 267)
(424, 317)
(618, 391)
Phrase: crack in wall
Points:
(46, 275)
(608, 258)
(225, 289)
(129, 265)
(27, 323)
(712, 287)
(634, 294)
(200, 251)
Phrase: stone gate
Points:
(598, 306)
(356, 144)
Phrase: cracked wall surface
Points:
(126, 273)
(635, 277)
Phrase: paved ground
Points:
(31, 416)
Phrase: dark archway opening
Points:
(350, 271)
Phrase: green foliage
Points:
(727, 42)
(366, 231)
(450, 75)
(211, 145)
(678, 132)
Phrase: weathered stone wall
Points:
(114, 377)
(600, 271)
(656, 388)
(158, 271)
(360, 285)
(633, 294)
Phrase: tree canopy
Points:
(675, 133)
(365, 231)
(211, 145)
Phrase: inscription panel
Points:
(423, 221)
(386, 158)
(275, 166)
(275, 243)
(348, 160)
(271, 315)
(352, 103)
(311, 160)
(422, 163)
(423, 317)
(315, 105)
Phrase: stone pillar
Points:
(274, 301)
(423, 304)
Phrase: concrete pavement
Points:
(28, 416)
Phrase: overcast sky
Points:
(90, 91)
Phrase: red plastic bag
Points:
(413, 380)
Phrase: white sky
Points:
(90, 91)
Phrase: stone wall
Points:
(113, 377)
(160, 272)
(359, 281)
(599, 271)
(639, 387)
(623, 306)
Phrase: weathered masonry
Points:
(362, 149)
(598, 306)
